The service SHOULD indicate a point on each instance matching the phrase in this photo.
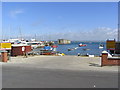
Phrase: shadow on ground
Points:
(93, 64)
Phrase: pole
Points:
(118, 33)
(118, 21)
(20, 32)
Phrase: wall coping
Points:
(104, 52)
(115, 58)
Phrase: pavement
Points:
(58, 72)
(0, 75)
(63, 62)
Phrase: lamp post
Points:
(118, 21)
(117, 47)
(118, 33)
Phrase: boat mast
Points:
(20, 33)
(35, 36)
(10, 29)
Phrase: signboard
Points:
(23, 48)
(110, 44)
(5, 46)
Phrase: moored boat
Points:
(82, 45)
(70, 49)
(101, 46)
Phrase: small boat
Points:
(76, 48)
(85, 49)
(101, 46)
(33, 44)
(82, 45)
(47, 52)
(61, 54)
(70, 49)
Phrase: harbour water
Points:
(92, 48)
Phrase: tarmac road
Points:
(43, 75)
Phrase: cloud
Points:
(98, 34)
(37, 23)
(103, 33)
(14, 13)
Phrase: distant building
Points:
(63, 41)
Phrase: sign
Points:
(5, 46)
(110, 44)
(23, 48)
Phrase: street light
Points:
(118, 21)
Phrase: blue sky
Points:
(53, 20)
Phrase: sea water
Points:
(92, 48)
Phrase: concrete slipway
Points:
(58, 72)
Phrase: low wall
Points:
(107, 61)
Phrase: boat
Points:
(18, 42)
(85, 49)
(47, 52)
(101, 46)
(33, 44)
(70, 49)
(61, 54)
(76, 48)
(82, 45)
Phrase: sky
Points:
(92, 21)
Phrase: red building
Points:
(20, 50)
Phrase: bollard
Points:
(4, 56)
